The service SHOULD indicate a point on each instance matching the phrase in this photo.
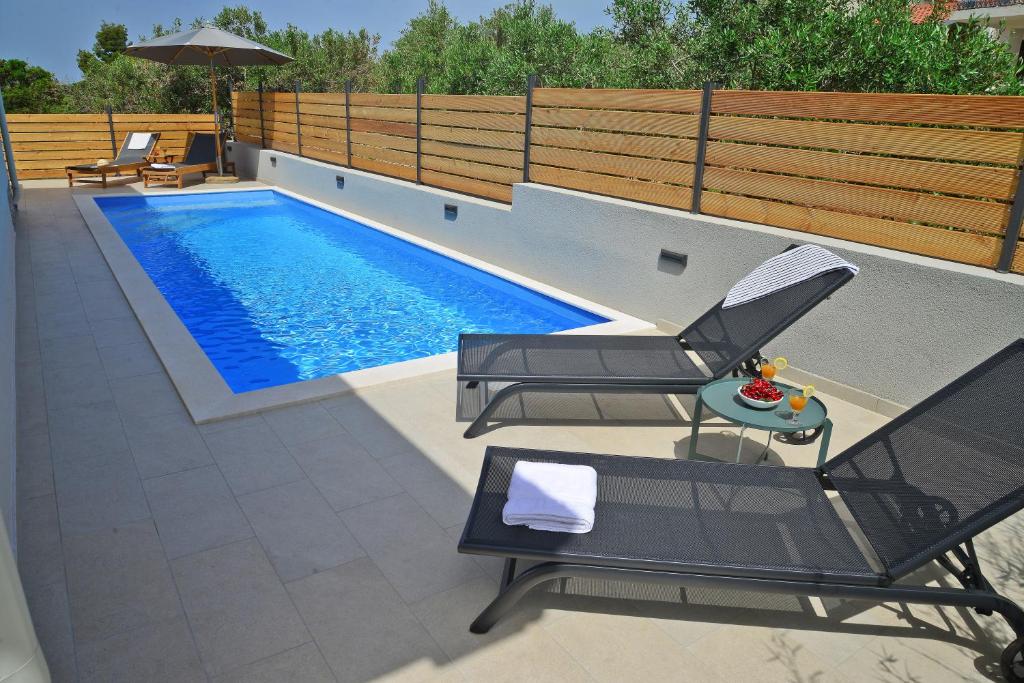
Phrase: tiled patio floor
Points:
(317, 543)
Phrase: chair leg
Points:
(479, 425)
(103, 179)
(71, 182)
(512, 592)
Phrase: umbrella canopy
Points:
(206, 45)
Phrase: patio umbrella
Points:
(208, 46)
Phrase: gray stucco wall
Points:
(7, 363)
(900, 330)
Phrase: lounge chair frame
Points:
(115, 168)
(160, 176)
(744, 361)
(919, 489)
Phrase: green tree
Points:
(28, 89)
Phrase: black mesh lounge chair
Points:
(723, 338)
(200, 157)
(127, 160)
(920, 489)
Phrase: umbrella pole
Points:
(216, 119)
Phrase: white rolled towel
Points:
(547, 496)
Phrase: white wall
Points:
(7, 363)
(902, 329)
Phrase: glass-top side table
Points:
(722, 399)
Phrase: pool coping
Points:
(206, 395)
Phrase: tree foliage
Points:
(865, 46)
(28, 88)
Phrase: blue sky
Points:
(50, 32)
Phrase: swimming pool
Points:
(275, 290)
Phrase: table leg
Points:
(695, 428)
(739, 448)
(826, 434)
(767, 447)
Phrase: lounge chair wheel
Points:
(1012, 661)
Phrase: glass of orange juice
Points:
(768, 369)
(797, 401)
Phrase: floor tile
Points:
(302, 664)
(514, 650)
(82, 431)
(164, 444)
(412, 551)
(301, 423)
(99, 492)
(194, 510)
(344, 472)
(69, 352)
(443, 498)
(118, 581)
(146, 395)
(363, 627)
(130, 360)
(51, 618)
(40, 556)
(105, 307)
(76, 386)
(34, 467)
(238, 609)
(376, 434)
(298, 530)
(117, 331)
(162, 652)
(252, 458)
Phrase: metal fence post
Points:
(1013, 225)
(263, 128)
(702, 145)
(421, 83)
(5, 138)
(348, 121)
(531, 83)
(110, 126)
(298, 122)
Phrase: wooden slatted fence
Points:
(928, 174)
(45, 143)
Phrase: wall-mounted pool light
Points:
(340, 180)
(672, 262)
(273, 162)
(451, 212)
(228, 147)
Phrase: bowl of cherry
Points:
(760, 393)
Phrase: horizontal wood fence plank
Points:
(484, 120)
(979, 250)
(883, 203)
(493, 103)
(638, 100)
(486, 155)
(336, 98)
(652, 193)
(1017, 266)
(472, 169)
(384, 168)
(965, 110)
(323, 134)
(36, 127)
(387, 141)
(13, 119)
(283, 146)
(681, 125)
(394, 156)
(383, 114)
(163, 118)
(480, 188)
(469, 136)
(388, 127)
(992, 147)
(373, 100)
(675, 149)
(614, 164)
(331, 155)
(335, 122)
(978, 181)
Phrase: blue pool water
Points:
(275, 290)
